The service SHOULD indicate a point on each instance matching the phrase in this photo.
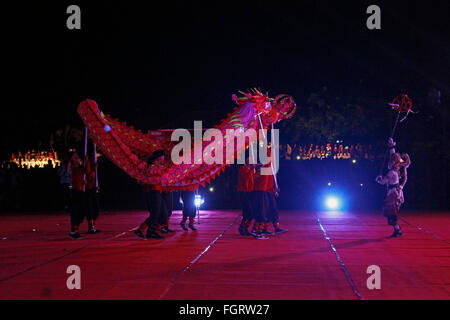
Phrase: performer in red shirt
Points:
(265, 202)
(78, 207)
(260, 203)
(157, 205)
(245, 188)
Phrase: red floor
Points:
(217, 263)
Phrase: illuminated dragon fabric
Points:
(126, 146)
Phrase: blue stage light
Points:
(107, 128)
(332, 203)
(198, 201)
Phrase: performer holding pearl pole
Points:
(398, 165)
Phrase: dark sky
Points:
(168, 64)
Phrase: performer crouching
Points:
(398, 165)
(156, 204)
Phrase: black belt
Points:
(392, 186)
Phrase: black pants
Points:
(167, 198)
(92, 205)
(78, 207)
(157, 208)
(66, 194)
(247, 206)
(189, 208)
(260, 206)
(272, 208)
(392, 220)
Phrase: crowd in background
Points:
(329, 151)
(35, 159)
(29, 187)
(29, 178)
(37, 189)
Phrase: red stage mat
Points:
(323, 256)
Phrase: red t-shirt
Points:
(245, 181)
(264, 182)
(150, 187)
(78, 178)
(90, 176)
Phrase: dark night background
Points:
(165, 65)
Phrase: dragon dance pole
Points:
(253, 156)
(197, 207)
(392, 137)
(274, 158)
(96, 167)
(271, 164)
(85, 154)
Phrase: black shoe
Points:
(259, 236)
(266, 232)
(166, 230)
(183, 226)
(243, 231)
(75, 236)
(154, 235)
(397, 234)
(280, 231)
(92, 230)
(139, 233)
(191, 226)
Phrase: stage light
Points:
(362, 185)
(332, 203)
(198, 201)
(107, 128)
(298, 158)
(211, 189)
(354, 161)
(329, 184)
